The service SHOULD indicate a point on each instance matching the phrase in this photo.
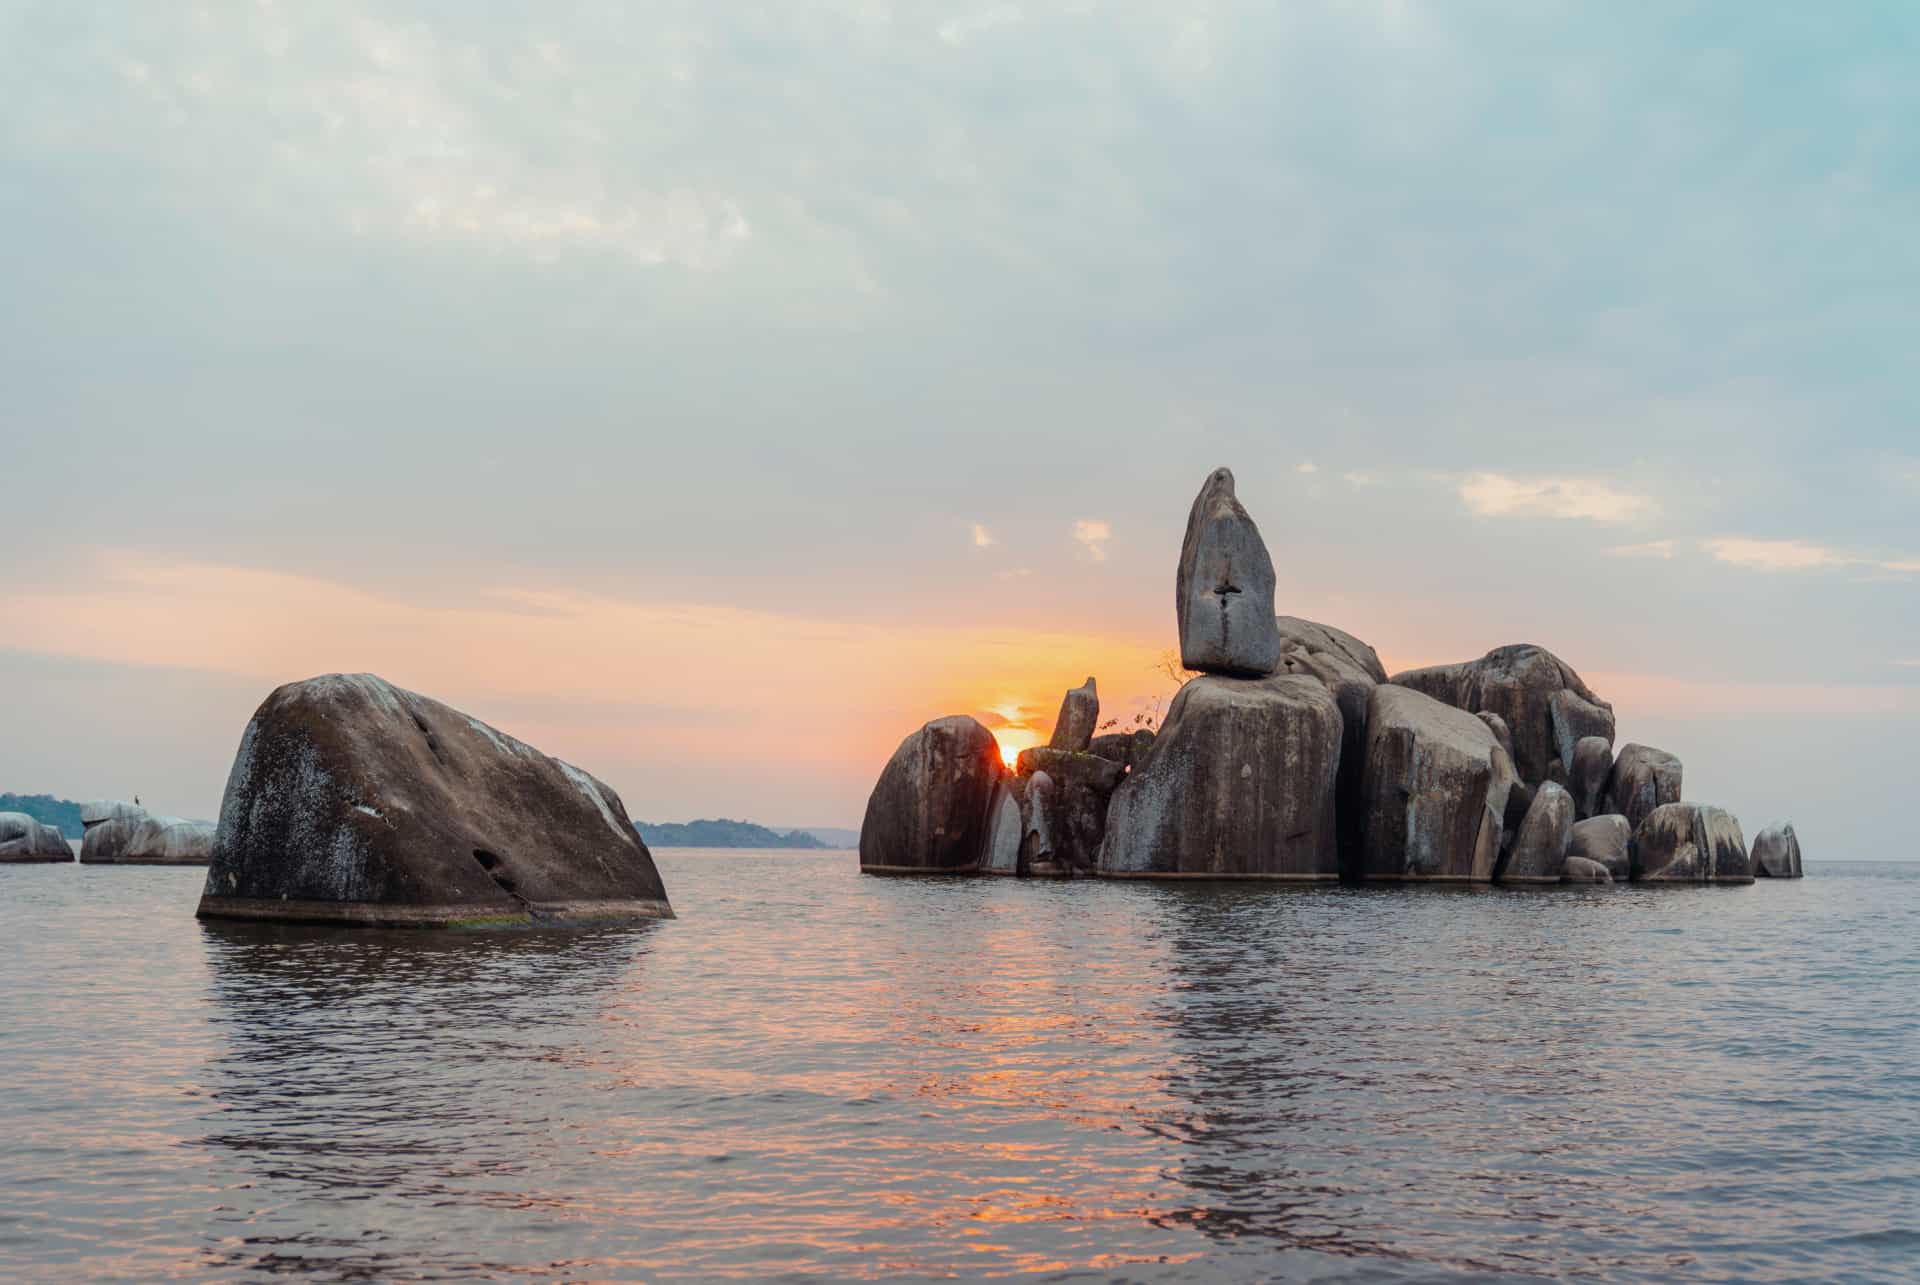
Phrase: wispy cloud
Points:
(1909, 664)
(983, 538)
(1499, 495)
(1093, 533)
(1661, 549)
(1360, 479)
(1799, 555)
(1306, 466)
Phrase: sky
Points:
(711, 394)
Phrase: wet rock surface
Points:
(355, 801)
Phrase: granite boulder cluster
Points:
(127, 834)
(1293, 756)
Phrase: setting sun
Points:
(1014, 737)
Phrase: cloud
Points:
(1306, 466)
(1908, 664)
(1498, 495)
(1799, 555)
(1360, 479)
(982, 538)
(1661, 549)
(1094, 534)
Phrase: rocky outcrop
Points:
(1223, 589)
(1080, 786)
(1239, 784)
(1434, 793)
(1776, 853)
(1643, 779)
(107, 838)
(1690, 843)
(1349, 670)
(1605, 840)
(928, 812)
(354, 801)
(1544, 703)
(1587, 781)
(168, 841)
(25, 840)
(1581, 870)
(1124, 748)
(1540, 847)
(1079, 715)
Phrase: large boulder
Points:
(928, 812)
(1643, 779)
(1607, 841)
(1776, 853)
(107, 838)
(1350, 670)
(1690, 843)
(1079, 714)
(1078, 787)
(1587, 782)
(1239, 784)
(25, 839)
(1223, 589)
(1544, 703)
(168, 841)
(1434, 794)
(1539, 852)
(354, 801)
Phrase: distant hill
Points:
(722, 833)
(62, 814)
(833, 836)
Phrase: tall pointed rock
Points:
(1223, 591)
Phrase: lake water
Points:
(811, 1073)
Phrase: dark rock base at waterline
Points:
(368, 914)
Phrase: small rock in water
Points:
(1776, 853)
(25, 840)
